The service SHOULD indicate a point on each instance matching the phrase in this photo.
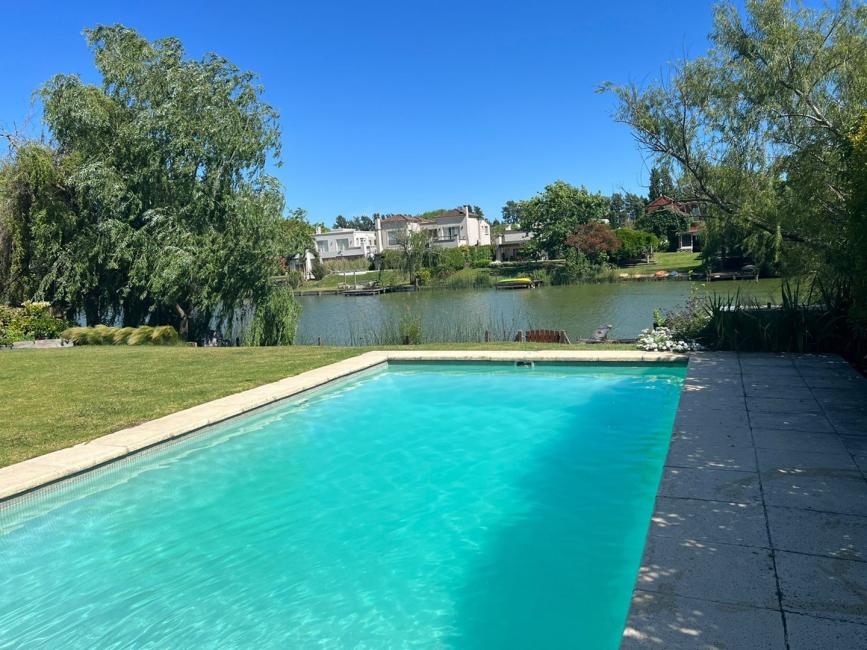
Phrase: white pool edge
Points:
(40, 471)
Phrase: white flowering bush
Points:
(661, 339)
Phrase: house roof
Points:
(684, 207)
(400, 218)
(456, 213)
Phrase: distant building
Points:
(388, 231)
(303, 263)
(345, 243)
(510, 243)
(450, 229)
(689, 239)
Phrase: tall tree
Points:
(761, 129)
(661, 183)
(511, 212)
(555, 213)
(617, 213)
(152, 202)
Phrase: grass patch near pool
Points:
(53, 399)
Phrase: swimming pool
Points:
(423, 505)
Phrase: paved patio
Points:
(759, 536)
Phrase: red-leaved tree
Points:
(595, 239)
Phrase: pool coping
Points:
(35, 473)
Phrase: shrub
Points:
(469, 279)
(33, 320)
(577, 267)
(423, 276)
(78, 335)
(594, 239)
(452, 259)
(410, 329)
(634, 244)
(294, 279)
(692, 322)
(391, 259)
(105, 335)
(318, 270)
(164, 335)
(662, 339)
(141, 336)
(121, 335)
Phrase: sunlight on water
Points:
(422, 506)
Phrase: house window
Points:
(342, 244)
(322, 246)
(392, 238)
(452, 232)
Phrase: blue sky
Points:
(402, 106)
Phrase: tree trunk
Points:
(184, 329)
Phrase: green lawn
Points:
(56, 398)
(681, 262)
(389, 276)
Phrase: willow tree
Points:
(761, 130)
(151, 202)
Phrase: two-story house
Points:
(449, 229)
(345, 243)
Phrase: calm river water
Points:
(448, 315)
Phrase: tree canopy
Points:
(557, 212)
(150, 203)
(764, 131)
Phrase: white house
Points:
(345, 243)
(390, 230)
(450, 229)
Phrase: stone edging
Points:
(43, 470)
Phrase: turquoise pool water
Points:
(429, 506)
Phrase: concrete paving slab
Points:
(733, 417)
(697, 569)
(839, 491)
(714, 432)
(823, 586)
(797, 389)
(764, 360)
(689, 453)
(851, 424)
(818, 533)
(810, 422)
(789, 404)
(673, 622)
(856, 445)
(798, 440)
(795, 459)
(710, 484)
(812, 633)
(713, 521)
